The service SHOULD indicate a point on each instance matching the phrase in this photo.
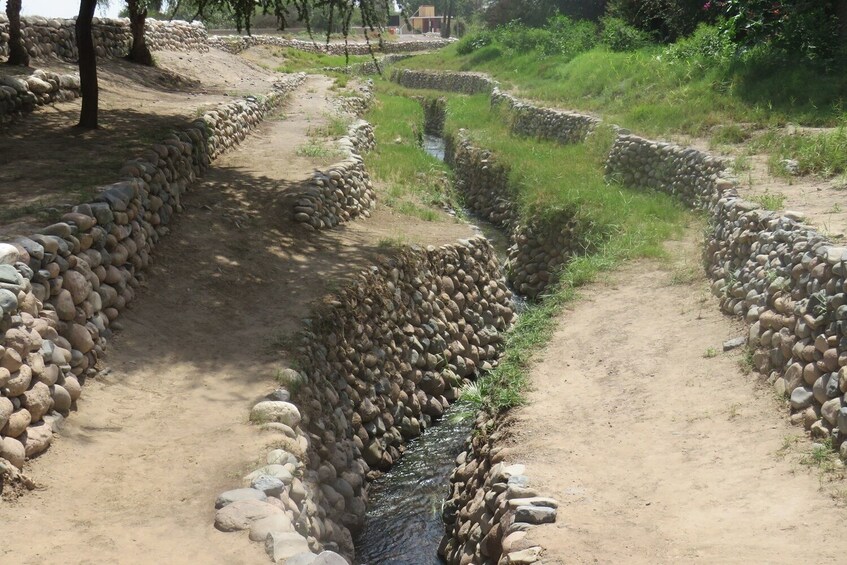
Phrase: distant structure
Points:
(424, 20)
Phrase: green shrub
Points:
(474, 41)
(559, 36)
(664, 20)
(618, 35)
(708, 44)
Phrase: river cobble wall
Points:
(344, 190)
(46, 37)
(22, 94)
(378, 364)
(238, 43)
(62, 287)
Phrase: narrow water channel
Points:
(403, 524)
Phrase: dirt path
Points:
(134, 474)
(657, 451)
(46, 165)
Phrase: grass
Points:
(745, 362)
(652, 93)
(413, 182)
(295, 60)
(317, 150)
(710, 353)
(771, 200)
(550, 178)
(336, 126)
(821, 153)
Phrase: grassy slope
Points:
(651, 94)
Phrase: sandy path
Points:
(134, 474)
(656, 453)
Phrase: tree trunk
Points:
(139, 52)
(87, 65)
(446, 30)
(17, 52)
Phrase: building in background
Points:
(425, 20)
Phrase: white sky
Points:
(66, 8)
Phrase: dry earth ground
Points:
(657, 446)
(134, 474)
(46, 165)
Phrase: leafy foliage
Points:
(664, 20)
(795, 27)
(620, 36)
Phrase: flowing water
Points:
(403, 524)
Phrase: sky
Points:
(65, 8)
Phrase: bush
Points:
(708, 44)
(474, 41)
(808, 29)
(617, 35)
(664, 20)
(560, 36)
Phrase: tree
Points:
(812, 29)
(87, 65)
(17, 52)
(138, 9)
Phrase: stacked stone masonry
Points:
(526, 119)
(238, 43)
(685, 172)
(491, 504)
(22, 94)
(464, 83)
(45, 37)
(538, 248)
(380, 363)
(61, 288)
(370, 67)
(343, 191)
(544, 123)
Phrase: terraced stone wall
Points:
(491, 503)
(238, 43)
(22, 94)
(526, 119)
(464, 83)
(380, 363)
(540, 247)
(45, 37)
(343, 191)
(62, 287)
(693, 176)
(544, 123)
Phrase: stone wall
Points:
(370, 67)
(526, 118)
(24, 93)
(44, 37)
(61, 288)
(695, 177)
(379, 363)
(464, 83)
(343, 191)
(491, 504)
(238, 43)
(545, 123)
(539, 247)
